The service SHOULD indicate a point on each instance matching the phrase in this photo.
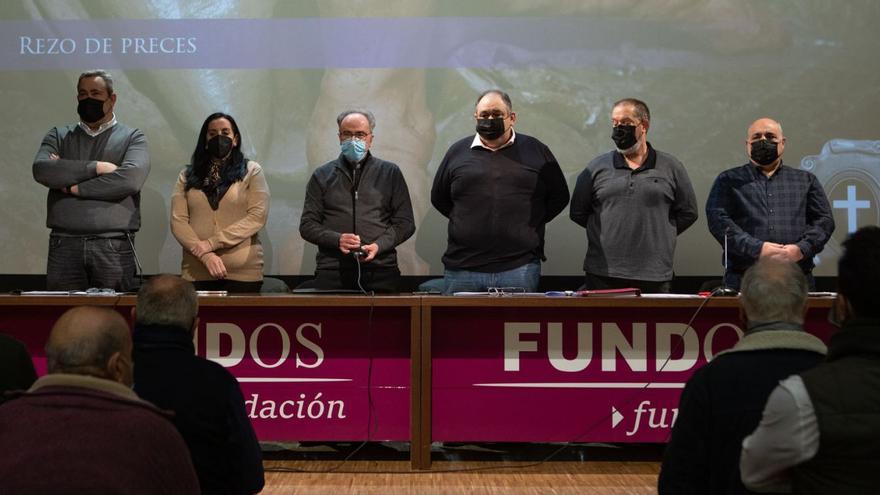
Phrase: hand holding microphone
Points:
(349, 243)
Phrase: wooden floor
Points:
(395, 477)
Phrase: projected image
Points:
(285, 70)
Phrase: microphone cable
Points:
(137, 262)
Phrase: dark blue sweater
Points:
(208, 405)
(498, 203)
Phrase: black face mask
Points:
(764, 152)
(624, 136)
(490, 128)
(90, 110)
(219, 146)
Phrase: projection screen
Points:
(285, 69)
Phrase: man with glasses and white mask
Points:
(634, 202)
(357, 211)
(766, 209)
(499, 189)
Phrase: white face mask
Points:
(354, 150)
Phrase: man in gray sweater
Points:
(633, 202)
(94, 171)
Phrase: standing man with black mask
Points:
(94, 171)
(765, 209)
(633, 201)
(498, 188)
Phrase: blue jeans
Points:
(79, 263)
(732, 280)
(524, 277)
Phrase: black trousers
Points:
(597, 282)
(229, 286)
(376, 279)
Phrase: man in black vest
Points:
(722, 402)
(820, 432)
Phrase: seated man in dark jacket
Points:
(81, 429)
(16, 368)
(207, 402)
(722, 402)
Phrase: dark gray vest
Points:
(845, 392)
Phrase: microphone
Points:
(724, 290)
(355, 182)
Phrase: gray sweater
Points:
(106, 204)
(632, 217)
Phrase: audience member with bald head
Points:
(81, 429)
(722, 401)
(91, 341)
(764, 209)
(206, 399)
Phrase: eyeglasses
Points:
(491, 115)
(357, 135)
(505, 291)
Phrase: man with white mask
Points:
(357, 211)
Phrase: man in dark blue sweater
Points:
(208, 405)
(498, 189)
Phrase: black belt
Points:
(92, 237)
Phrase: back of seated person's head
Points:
(858, 272)
(774, 290)
(93, 341)
(167, 300)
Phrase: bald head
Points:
(762, 126)
(774, 290)
(89, 340)
(167, 300)
(765, 129)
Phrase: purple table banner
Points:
(591, 374)
(307, 373)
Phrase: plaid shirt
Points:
(789, 207)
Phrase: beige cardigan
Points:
(231, 230)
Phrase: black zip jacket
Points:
(371, 201)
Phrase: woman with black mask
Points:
(220, 203)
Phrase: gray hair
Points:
(167, 300)
(504, 97)
(108, 79)
(774, 291)
(85, 337)
(366, 113)
(640, 108)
